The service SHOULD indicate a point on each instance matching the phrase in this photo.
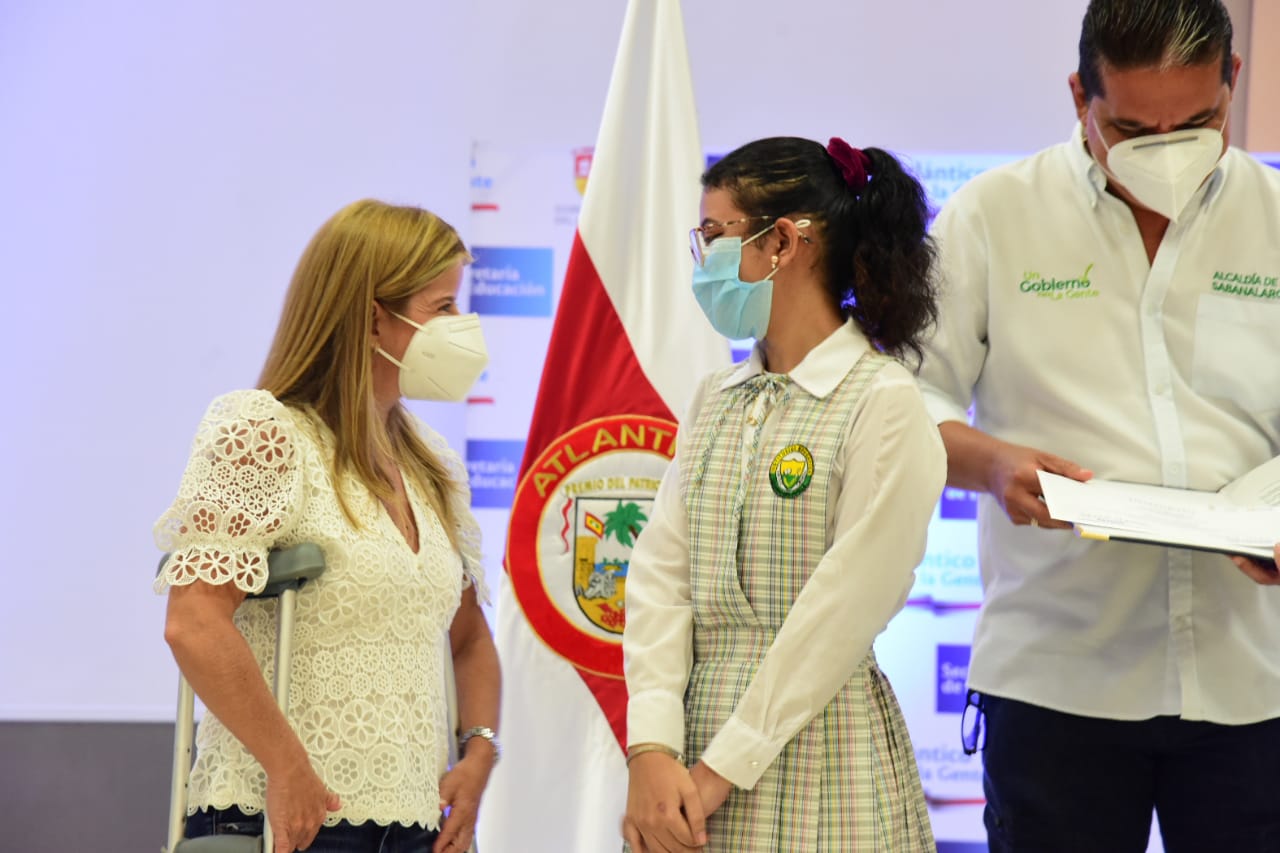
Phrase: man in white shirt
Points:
(1110, 308)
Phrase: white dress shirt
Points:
(881, 498)
(1065, 338)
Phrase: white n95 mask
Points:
(1163, 171)
(445, 357)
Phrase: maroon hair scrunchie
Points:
(855, 165)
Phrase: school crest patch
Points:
(791, 471)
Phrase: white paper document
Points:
(1242, 518)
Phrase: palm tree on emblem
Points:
(624, 523)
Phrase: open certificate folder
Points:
(1243, 517)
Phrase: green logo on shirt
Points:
(1249, 284)
(1080, 287)
(791, 471)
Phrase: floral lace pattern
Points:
(367, 689)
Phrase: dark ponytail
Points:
(870, 219)
(891, 263)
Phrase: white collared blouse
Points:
(892, 468)
(367, 688)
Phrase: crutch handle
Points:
(287, 568)
(290, 567)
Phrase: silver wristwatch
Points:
(484, 732)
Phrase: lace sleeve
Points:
(467, 529)
(240, 493)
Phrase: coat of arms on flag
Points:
(579, 508)
(605, 531)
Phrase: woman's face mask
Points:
(1164, 170)
(736, 309)
(444, 358)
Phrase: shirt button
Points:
(755, 764)
(1182, 623)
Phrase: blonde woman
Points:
(323, 451)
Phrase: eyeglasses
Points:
(704, 235)
(972, 735)
(701, 238)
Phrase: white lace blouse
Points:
(367, 689)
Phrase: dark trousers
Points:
(341, 838)
(1059, 782)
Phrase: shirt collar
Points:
(820, 371)
(1094, 179)
(1090, 173)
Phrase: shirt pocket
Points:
(1237, 352)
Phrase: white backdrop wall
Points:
(163, 165)
(919, 75)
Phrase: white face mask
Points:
(444, 358)
(1164, 170)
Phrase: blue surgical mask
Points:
(737, 309)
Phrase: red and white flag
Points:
(627, 349)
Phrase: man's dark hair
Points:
(1128, 34)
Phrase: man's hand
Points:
(664, 808)
(1260, 572)
(1014, 482)
(980, 462)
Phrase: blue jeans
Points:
(342, 838)
(1060, 782)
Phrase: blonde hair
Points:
(322, 354)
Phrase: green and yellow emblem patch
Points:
(791, 471)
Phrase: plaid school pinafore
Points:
(848, 780)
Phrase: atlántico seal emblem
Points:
(605, 530)
(791, 471)
(575, 518)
